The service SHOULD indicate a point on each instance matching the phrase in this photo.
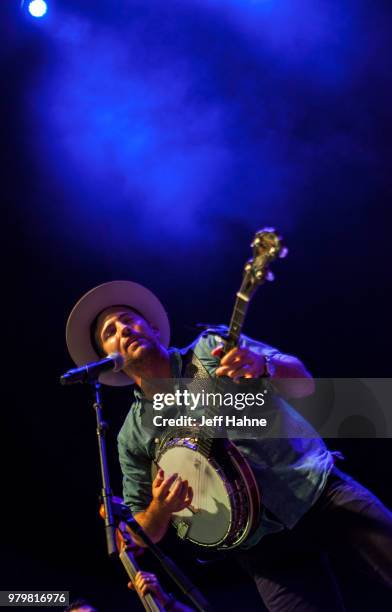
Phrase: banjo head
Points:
(209, 520)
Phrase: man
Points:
(309, 507)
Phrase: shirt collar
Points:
(175, 356)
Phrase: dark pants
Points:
(291, 569)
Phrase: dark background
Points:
(148, 141)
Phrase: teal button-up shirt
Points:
(291, 470)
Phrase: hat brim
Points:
(84, 313)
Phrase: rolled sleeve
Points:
(136, 470)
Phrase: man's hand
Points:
(239, 362)
(167, 499)
(148, 583)
(290, 377)
(145, 582)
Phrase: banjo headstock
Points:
(267, 246)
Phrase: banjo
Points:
(226, 504)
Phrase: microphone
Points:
(91, 371)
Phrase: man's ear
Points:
(156, 331)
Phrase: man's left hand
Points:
(146, 582)
(239, 363)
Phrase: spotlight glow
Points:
(38, 8)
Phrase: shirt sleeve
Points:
(259, 347)
(136, 471)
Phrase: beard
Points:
(142, 358)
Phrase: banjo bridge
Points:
(182, 529)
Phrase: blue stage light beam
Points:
(37, 8)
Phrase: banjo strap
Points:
(194, 368)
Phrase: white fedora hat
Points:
(84, 313)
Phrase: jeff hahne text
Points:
(185, 399)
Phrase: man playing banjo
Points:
(309, 507)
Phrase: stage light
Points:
(38, 8)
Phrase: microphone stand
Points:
(102, 428)
(184, 584)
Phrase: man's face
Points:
(122, 330)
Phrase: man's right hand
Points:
(168, 499)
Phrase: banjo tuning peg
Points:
(270, 276)
(283, 252)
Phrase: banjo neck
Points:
(236, 322)
(267, 246)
